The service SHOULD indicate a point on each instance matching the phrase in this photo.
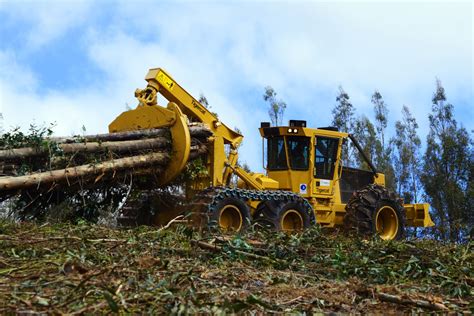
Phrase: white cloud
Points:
(304, 51)
(47, 20)
(12, 71)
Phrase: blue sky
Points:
(79, 62)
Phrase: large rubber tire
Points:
(136, 211)
(283, 216)
(230, 215)
(265, 214)
(374, 210)
(147, 207)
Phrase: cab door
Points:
(325, 164)
(299, 153)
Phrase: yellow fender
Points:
(418, 215)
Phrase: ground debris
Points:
(88, 269)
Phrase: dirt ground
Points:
(89, 269)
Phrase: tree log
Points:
(119, 136)
(198, 130)
(119, 142)
(83, 171)
(12, 167)
(409, 301)
(117, 146)
(197, 151)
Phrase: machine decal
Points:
(198, 106)
(165, 81)
(303, 188)
(324, 183)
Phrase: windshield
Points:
(276, 153)
(298, 149)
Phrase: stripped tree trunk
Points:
(117, 146)
(83, 171)
(195, 129)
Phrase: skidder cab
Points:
(309, 161)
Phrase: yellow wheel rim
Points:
(230, 218)
(291, 221)
(386, 222)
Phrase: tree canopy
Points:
(276, 108)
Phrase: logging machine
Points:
(305, 181)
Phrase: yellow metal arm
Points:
(159, 81)
(182, 106)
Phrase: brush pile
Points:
(91, 269)
(41, 171)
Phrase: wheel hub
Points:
(291, 221)
(230, 218)
(386, 223)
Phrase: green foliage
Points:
(69, 205)
(87, 268)
(406, 157)
(447, 171)
(343, 119)
(203, 100)
(365, 134)
(64, 203)
(276, 107)
(383, 151)
(381, 113)
(37, 137)
(195, 169)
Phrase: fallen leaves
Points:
(92, 269)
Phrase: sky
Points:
(77, 63)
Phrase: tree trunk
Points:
(198, 130)
(83, 171)
(119, 136)
(116, 146)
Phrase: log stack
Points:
(63, 162)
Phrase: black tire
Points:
(374, 210)
(280, 216)
(229, 214)
(154, 208)
(266, 214)
(136, 211)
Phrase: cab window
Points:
(276, 153)
(298, 149)
(325, 157)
